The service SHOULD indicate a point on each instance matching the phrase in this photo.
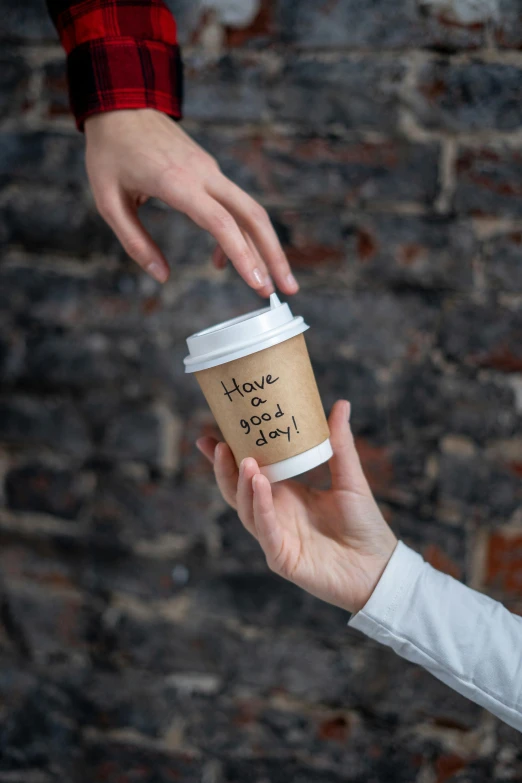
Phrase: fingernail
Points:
(254, 482)
(291, 281)
(260, 279)
(349, 412)
(157, 271)
(241, 467)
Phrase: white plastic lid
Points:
(242, 336)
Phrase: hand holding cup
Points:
(334, 543)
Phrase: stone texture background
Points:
(142, 639)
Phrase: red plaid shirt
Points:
(121, 54)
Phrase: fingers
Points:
(255, 221)
(214, 218)
(226, 472)
(269, 532)
(345, 467)
(207, 447)
(269, 289)
(245, 494)
(121, 216)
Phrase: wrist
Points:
(373, 571)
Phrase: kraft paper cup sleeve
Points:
(267, 404)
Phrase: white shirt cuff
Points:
(393, 589)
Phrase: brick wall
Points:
(142, 638)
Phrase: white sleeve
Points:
(464, 638)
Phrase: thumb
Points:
(345, 466)
(122, 217)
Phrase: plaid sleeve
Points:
(121, 54)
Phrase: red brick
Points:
(440, 560)
(447, 766)
(377, 465)
(489, 181)
(504, 563)
(335, 729)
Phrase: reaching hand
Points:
(335, 543)
(132, 155)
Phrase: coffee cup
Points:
(256, 375)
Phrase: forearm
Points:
(120, 55)
(464, 638)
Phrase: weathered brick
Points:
(398, 473)
(12, 350)
(188, 15)
(428, 252)
(43, 297)
(376, 25)
(251, 727)
(310, 239)
(99, 565)
(44, 488)
(489, 181)
(356, 382)
(424, 402)
(136, 435)
(483, 336)
(75, 361)
(318, 170)
(55, 89)
(443, 546)
(183, 243)
(124, 761)
(262, 599)
(27, 22)
(41, 738)
(352, 173)
(39, 560)
(503, 562)
(14, 80)
(60, 220)
(400, 328)
(198, 424)
(54, 623)
(44, 158)
(508, 27)
(163, 647)
(479, 409)
(256, 771)
(469, 97)
(267, 666)
(357, 93)
(234, 88)
(415, 404)
(502, 267)
(257, 30)
(237, 546)
(131, 511)
(49, 422)
(472, 488)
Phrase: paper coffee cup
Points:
(256, 375)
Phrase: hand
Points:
(132, 155)
(335, 543)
